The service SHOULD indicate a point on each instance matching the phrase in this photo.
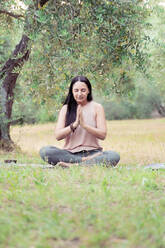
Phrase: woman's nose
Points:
(79, 93)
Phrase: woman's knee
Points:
(116, 158)
(113, 157)
(44, 152)
(49, 154)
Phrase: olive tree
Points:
(74, 37)
(11, 69)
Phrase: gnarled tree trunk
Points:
(8, 77)
(10, 72)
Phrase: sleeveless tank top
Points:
(80, 139)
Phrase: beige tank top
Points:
(81, 139)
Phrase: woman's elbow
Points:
(103, 136)
(57, 136)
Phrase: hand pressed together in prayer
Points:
(79, 117)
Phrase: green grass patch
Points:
(81, 207)
(21, 158)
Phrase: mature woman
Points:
(81, 123)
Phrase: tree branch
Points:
(10, 14)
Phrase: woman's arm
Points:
(100, 130)
(61, 131)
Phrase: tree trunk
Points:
(8, 77)
(161, 109)
(10, 72)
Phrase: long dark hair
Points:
(71, 102)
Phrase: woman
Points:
(81, 123)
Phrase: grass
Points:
(86, 207)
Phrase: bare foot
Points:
(65, 165)
(92, 156)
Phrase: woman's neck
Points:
(83, 103)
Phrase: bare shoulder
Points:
(61, 117)
(63, 109)
(98, 106)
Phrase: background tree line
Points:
(111, 42)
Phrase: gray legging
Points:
(53, 155)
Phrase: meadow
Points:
(85, 206)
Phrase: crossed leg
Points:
(69, 165)
(66, 159)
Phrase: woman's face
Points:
(80, 92)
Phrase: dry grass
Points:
(138, 141)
